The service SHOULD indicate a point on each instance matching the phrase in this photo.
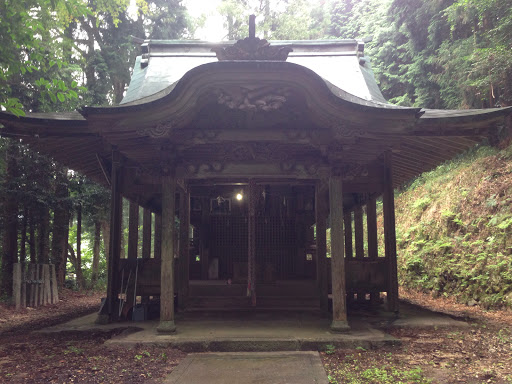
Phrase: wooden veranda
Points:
(257, 149)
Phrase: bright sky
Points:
(213, 29)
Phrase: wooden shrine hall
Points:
(243, 154)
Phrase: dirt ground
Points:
(480, 353)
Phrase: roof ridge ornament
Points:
(252, 48)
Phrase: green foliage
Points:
(461, 245)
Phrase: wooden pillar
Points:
(359, 243)
(359, 231)
(321, 212)
(347, 223)
(167, 262)
(109, 308)
(373, 248)
(205, 238)
(184, 247)
(146, 241)
(390, 235)
(158, 236)
(133, 239)
(339, 306)
(146, 234)
(251, 251)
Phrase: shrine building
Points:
(243, 155)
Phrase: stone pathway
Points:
(250, 368)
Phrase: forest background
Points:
(59, 55)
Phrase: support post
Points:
(359, 232)
(133, 240)
(373, 249)
(251, 252)
(347, 223)
(321, 212)
(359, 242)
(390, 234)
(167, 269)
(146, 241)
(184, 247)
(16, 284)
(339, 305)
(108, 310)
(158, 236)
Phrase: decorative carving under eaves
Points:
(351, 171)
(310, 169)
(196, 168)
(266, 98)
(161, 129)
(253, 152)
(252, 48)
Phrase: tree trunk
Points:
(78, 266)
(60, 227)
(96, 253)
(10, 240)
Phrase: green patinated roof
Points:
(341, 63)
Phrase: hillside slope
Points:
(454, 229)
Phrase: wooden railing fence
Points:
(34, 285)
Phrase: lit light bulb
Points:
(239, 196)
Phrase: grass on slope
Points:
(454, 229)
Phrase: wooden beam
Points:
(167, 262)
(321, 213)
(390, 236)
(339, 305)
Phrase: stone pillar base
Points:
(166, 327)
(339, 326)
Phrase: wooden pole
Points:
(321, 212)
(53, 281)
(339, 306)
(167, 262)
(146, 241)
(108, 310)
(359, 231)
(158, 236)
(32, 277)
(16, 285)
(390, 235)
(251, 251)
(133, 244)
(359, 242)
(146, 234)
(347, 223)
(46, 284)
(24, 275)
(373, 249)
(184, 247)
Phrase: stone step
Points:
(208, 302)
